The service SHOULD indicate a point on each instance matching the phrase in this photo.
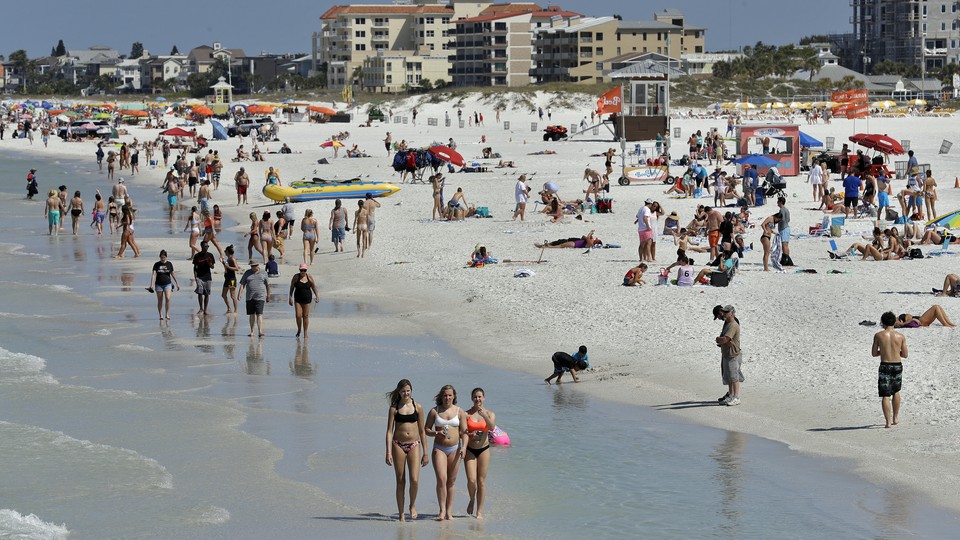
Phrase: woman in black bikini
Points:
(254, 234)
(480, 422)
(303, 291)
(767, 228)
(76, 210)
(406, 438)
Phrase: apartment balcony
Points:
(586, 54)
(584, 39)
(381, 24)
(380, 37)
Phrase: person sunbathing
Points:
(555, 210)
(951, 286)
(583, 242)
(932, 236)
(934, 314)
(857, 247)
(543, 153)
(508, 164)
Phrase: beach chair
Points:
(835, 251)
(944, 249)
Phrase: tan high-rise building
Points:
(495, 48)
(575, 50)
(351, 34)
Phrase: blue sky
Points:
(286, 25)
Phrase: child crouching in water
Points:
(562, 362)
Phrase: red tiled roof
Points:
(513, 10)
(512, 7)
(376, 9)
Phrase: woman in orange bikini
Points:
(405, 443)
(480, 422)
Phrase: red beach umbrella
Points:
(202, 111)
(878, 142)
(447, 154)
(259, 109)
(178, 132)
(329, 144)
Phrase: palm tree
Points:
(24, 66)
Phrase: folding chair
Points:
(943, 249)
(835, 251)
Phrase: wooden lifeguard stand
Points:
(222, 91)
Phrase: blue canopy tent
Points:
(219, 132)
(756, 159)
(805, 140)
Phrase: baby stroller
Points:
(774, 186)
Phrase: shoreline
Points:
(481, 321)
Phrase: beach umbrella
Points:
(795, 105)
(773, 105)
(160, 98)
(885, 104)
(917, 102)
(260, 109)
(193, 101)
(322, 110)
(745, 105)
(136, 113)
(878, 142)
(447, 154)
(178, 132)
(757, 159)
(202, 111)
(98, 116)
(331, 144)
(950, 220)
(63, 118)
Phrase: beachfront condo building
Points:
(393, 72)
(912, 32)
(495, 48)
(351, 34)
(575, 50)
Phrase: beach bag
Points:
(483, 212)
(892, 214)
(835, 231)
(719, 279)
(604, 206)
(915, 253)
(785, 260)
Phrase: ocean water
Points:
(116, 425)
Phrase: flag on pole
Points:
(611, 101)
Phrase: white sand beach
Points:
(810, 379)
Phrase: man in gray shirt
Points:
(784, 228)
(730, 354)
(290, 215)
(258, 292)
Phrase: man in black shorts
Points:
(851, 193)
(891, 347)
(258, 293)
(203, 263)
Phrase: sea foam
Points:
(15, 525)
(21, 367)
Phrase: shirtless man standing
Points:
(242, 180)
(51, 211)
(891, 347)
(371, 205)
(713, 220)
(119, 193)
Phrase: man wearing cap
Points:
(119, 193)
(730, 354)
(257, 293)
(370, 205)
(242, 179)
(203, 263)
(645, 230)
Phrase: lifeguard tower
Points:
(647, 104)
(222, 91)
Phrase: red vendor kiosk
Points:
(782, 144)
